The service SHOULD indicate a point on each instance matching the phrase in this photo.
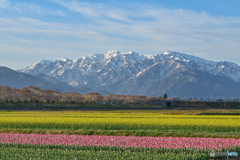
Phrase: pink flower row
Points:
(121, 141)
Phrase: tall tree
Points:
(165, 96)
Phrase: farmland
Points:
(68, 152)
(104, 134)
(105, 121)
(109, 147)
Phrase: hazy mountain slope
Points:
(189, 83)
(58, 84)
(11, 78)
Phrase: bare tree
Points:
(97, 99)
(33, 94)
(25, 94)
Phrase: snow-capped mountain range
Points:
(113, 71)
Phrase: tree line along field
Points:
(115, 123)
(33, 94)
(34, 98)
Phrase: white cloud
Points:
(142, 28)
(4, 4)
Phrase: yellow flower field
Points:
(118, 121)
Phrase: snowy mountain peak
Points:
(166, 52)
(40, 63)
(64, 59)
(111, 53)
(134, 55)
(173, 55)
(44, 61)
(132, 52)
(225, 63)
(113, 66)
(186, 58)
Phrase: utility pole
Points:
(186, 101)
(224, 103)
(203, 97)
(227, 155)
(211, 96)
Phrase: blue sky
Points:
(51, 29)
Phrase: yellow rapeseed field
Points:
(118, 121)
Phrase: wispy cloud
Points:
(4, 4)
(96, 10)
(165, 28)
(99, 27)
(29, 8)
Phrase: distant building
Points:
(166, 103)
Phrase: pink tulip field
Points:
(48, 146)
(121, 141)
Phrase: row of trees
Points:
(33, 94)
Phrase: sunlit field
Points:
(118, 134)
(120, 121)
